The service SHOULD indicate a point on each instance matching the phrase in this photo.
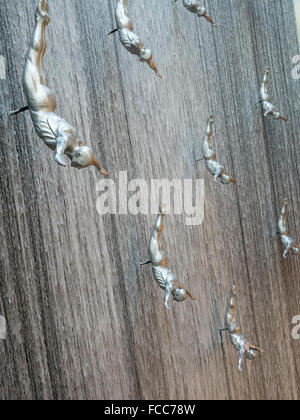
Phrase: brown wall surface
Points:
(83, 321)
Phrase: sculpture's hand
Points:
(60, 160)
(167, 296)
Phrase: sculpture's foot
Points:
(163, 209)
(60, 160)
(42, 11)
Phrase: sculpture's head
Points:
(276, 115)
(180, 294)
(295, 250)
(146, 55)
(251, 354)
(201, 11)
(226, 179)
(84, 157)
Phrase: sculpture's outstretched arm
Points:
(241, 356)
(208, 18)
(256, 348)
(187, 292)
(152, 65)
(62, 142)
(281, 117)
(287, 248)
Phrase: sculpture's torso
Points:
(239, 342)
(131, 41)
(268, 107)
(214, 167)
(163, 276)
(49, 126)
(210, 159)
(236, 337)
(287, 241)
(194, 7)
(191, 5)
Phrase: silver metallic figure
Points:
(163, 275)
(194, 7)
(269, 109)
(129, 39)
(57, 134)
(287, 241)
(238, 340)
(214, 167)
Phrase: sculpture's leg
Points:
(155, 250)
(255, 348)
(34, 79)
(231, 322)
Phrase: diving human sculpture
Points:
(237, 339)
(57, 134)
(269, 109)
(287, 241)
(214, 167)
(129, 39)
(162, 274)
(195, 7)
